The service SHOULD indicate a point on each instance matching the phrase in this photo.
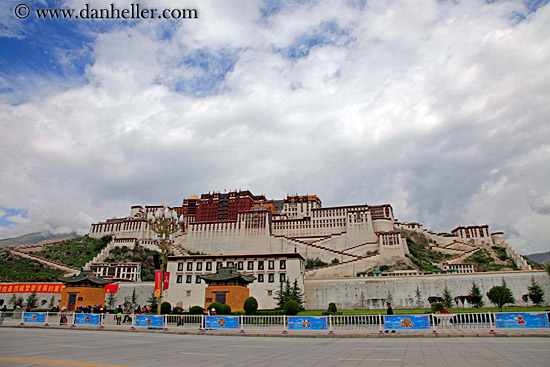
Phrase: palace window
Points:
(260, 278)
(260, 265)
(179, 279)
(197, 279)
(219, 265)
(250, 265)
(180, 266)
(240, 265)
(199, 266)
(188, 279)
(282, 264)
(189, 266)
(271, 264)
(271, 278)
(282, 277)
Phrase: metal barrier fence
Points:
(330, 323)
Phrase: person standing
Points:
(389, 311)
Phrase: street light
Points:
(164, 223)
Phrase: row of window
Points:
(239, 264)
(270, 278)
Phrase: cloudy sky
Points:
(440, 108)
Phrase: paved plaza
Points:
(24, 347)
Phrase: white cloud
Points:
(438, 108)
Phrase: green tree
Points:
(52, 300)
(536, 293)
(134, 298)
(447, 298)
(297, 294)
(389, 297)
(500, 296)
(280, 296)
(250, 306)
(418, 295)
(111, 300)
(12, 301)
(475, 298)
(152, 300)
(32, 300)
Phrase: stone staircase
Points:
(69, 270)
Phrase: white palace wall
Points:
(347, 293)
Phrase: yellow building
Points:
(227, 286)
(82, 290)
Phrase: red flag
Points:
(166, 280)
(111, 288)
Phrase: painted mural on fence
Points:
(222, 322)
(149, 321)
(307, 323)
(87, 319)
(34, 317)
(407, 322)
(517, 320)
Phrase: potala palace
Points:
(271, 239)
(359, 237)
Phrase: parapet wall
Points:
(371, 293)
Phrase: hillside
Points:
(35, 238)
(76, 252)
(17, 269)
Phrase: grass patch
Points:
(18, 269)
(76, 252)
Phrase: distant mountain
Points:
(541, 258)
(35, 238)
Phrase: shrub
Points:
(437, 307)
(165, 308)
(196, 310)
(217, 306)
(177, 309)
(250, 306)
(291, 307)
(239, 312)
(332, 309)
(270, 312)
(225, 310)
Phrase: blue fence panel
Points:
(222, 322)
(407, 322)
(307, 323)
(521, 320)
(87, 319)
(34, 317)
(149, 321)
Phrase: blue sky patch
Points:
(213, 67)
(6, 214)
(327, 33)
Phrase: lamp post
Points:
(164, 223)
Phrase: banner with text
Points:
(158, 282)
(31, 287)
(521, 320)
(34, 317)
(222, 322)
(307, 323)
(407, 322)
(87, 319)
(149, 321)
